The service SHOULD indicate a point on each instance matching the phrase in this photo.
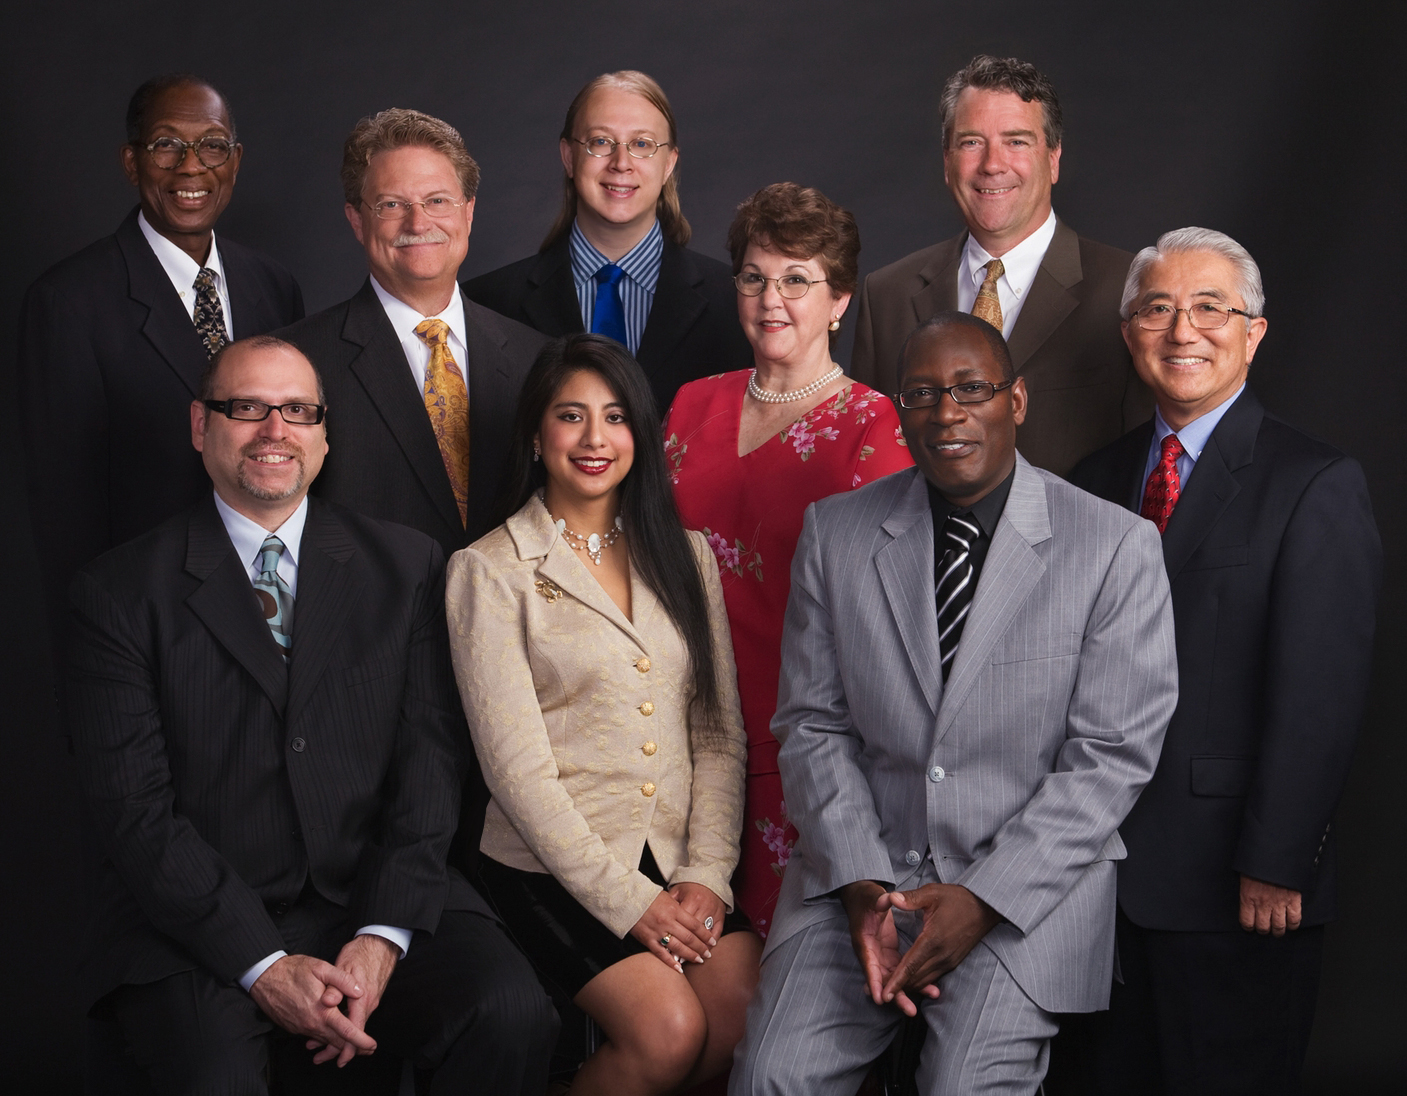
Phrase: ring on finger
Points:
(664, 940)
(708, 923)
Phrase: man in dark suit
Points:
(423, 382)
(270, 748)
(113, 339)
(1053, 295)
(1275, 564)
(615, 262)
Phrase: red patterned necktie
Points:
(1164, 485)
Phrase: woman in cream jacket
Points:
(593, 657)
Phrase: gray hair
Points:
(1181, 240)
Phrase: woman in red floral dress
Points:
(749, 451)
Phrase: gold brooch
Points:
(550, 590)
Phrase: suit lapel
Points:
(940, 293)
(226, 604)
(381, 368)
(1009, 574)
(327, 589)
(1213, 483)
(905, 568)
(252, 311)
(550, 301)
(677, 306)
(1050, 299)
(166, 327)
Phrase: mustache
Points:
(264, 449)
(431, 236)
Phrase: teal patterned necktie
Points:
(274, 595)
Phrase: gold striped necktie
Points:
(988, 305)
(447, 404)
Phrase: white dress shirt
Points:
(405, 319)
(1021, 264)
(182, 271)
(248, 539)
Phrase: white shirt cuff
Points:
(249, 977)
(399, 937)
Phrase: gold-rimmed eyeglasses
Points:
(752, 284)
(640, 148)
(393, 209)
(1204, 315)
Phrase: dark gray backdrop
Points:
(1278, 123)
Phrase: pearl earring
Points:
(537, 453)
(835, 324)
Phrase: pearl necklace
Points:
(594, 544)
(757, 392)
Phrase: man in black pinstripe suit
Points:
(271, 747)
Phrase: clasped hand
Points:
(305, 995)
(678, 914)
(954, 920)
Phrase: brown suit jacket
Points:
(1083, 390)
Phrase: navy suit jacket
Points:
(109, 362)
(221, 781)
(692, 332)
(384, 460)
(1275, 565)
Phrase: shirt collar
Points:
(404, 319)
(248, 536)
(1020, 264)
(1195, 435)
(987, 510)
(179, 266)
(641, 263)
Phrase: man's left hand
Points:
(370, 959)
(954, 920)
(1267, 908)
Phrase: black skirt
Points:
(565, 943)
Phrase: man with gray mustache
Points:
(424, 381)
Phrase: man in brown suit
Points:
(1053, 294)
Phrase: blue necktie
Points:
(609, 316)
(274, 595)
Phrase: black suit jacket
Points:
(692, 331)
(384, 460)
(1275, 565)
(108, 365)
(1066, 343)
(221, 781)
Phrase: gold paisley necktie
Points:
(988, 305)
(447, 404)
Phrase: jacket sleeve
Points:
(186, 889)
(489, 643)
(719, 756)
(1318, 657)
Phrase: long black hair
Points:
(659, 547)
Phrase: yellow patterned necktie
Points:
(447, 404)
(988, 305)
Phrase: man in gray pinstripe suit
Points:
(957, 800)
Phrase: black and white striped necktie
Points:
(954, 595)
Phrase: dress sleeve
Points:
(720, 757)
(489, 643)
(883, 449)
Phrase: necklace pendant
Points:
(593, 548)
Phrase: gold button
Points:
(648, 749)
(647, 708)
(647, 789)
(643, 665)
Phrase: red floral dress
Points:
(750, 508)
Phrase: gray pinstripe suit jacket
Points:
(1015, 775)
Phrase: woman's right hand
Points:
(666, 918)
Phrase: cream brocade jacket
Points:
(580, 721)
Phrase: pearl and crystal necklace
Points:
(757, 392)
(594, 544)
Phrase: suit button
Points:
(298, 745)
(913, 856)
(280, 908)
(936, 773)
(647, 789)
(647, 708)
(648, 749)
(643, 665)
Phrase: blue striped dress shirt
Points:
(641, 265)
